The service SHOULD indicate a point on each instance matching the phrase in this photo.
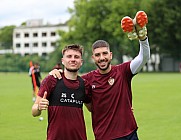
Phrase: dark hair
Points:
(75, 47)
(99, 44)
(36, 63)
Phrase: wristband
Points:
(144, 39)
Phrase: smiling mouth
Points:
(73, 64)
(102, 64)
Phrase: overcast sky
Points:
(15, 12)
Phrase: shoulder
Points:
(83, 80)
(48, 84)
(49, 80)
(89, 75)
(125, 65)
(123, 69)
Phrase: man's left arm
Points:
(142, 58)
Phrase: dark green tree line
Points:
(164, 26)
(6, 37)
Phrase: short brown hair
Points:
(75, 47)
(99, 44)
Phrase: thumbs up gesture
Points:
(43, 104)
(45, 95)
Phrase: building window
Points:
(17, 35)
(44, 34)
(26, 45)
(53, 33)
(18, 45)
(26, 34)
(44, 54)
(53, 44)
(35, 34)
(44, 44)
(35, 44)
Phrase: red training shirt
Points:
(112, 115)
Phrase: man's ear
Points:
(82, 62)
(111, 55)
(92, 56)
(62, 61)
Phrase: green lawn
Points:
(156, 102)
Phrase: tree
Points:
(6, 39)
(164, 26)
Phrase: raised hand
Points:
(43, 104)
(135, 28)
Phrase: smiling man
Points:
(64, 99)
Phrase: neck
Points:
(70, 75)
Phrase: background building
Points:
(36, 38)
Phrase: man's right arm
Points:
(41, 102)
(35, 108)
(39, 105)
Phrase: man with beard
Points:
(111, 94)
(64, 99)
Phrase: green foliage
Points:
(6, 39)
(164, 26)
(17, 63)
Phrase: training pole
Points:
(33, 77)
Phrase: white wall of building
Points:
(39, 39)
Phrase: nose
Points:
(101, 57)
(73, 59)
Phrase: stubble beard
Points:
(72, 70)
(104, 69)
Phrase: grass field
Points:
(156, 102)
